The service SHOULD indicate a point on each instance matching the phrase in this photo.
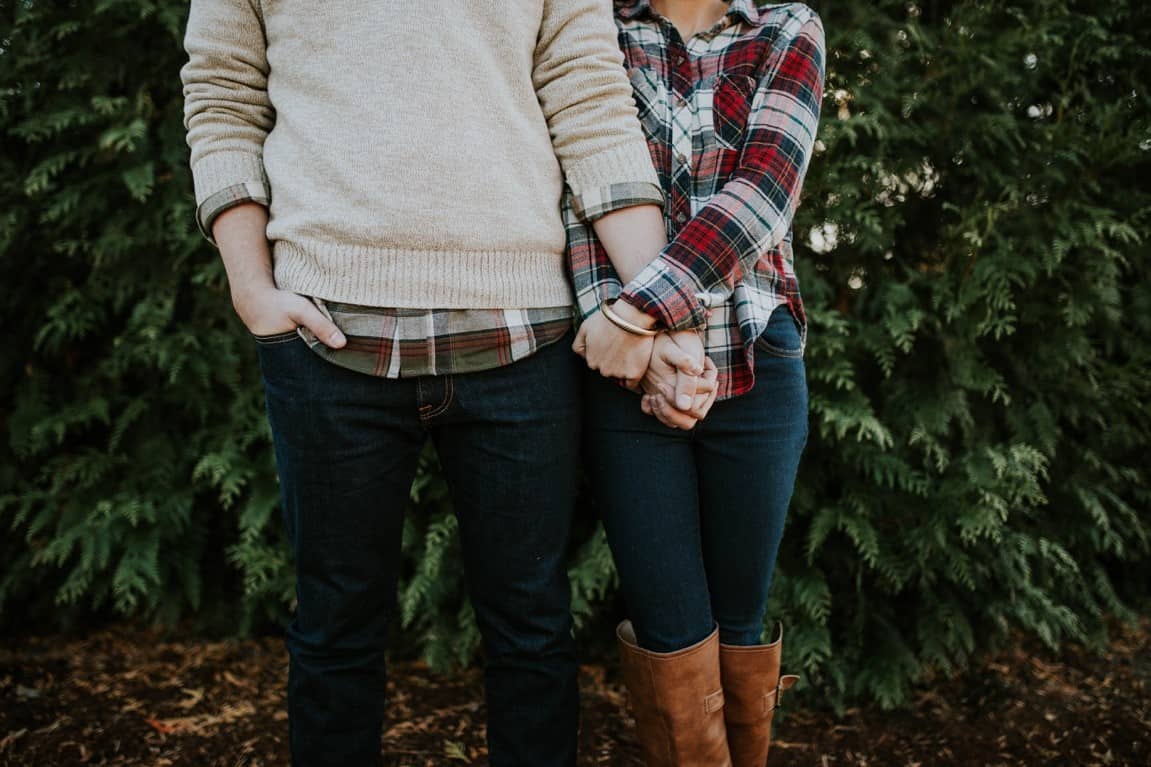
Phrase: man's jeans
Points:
(346, 447)
(694, 518)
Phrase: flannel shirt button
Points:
(681, 218)
(681, 158)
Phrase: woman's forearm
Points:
(632, 238)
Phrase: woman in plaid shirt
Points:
(694, 496)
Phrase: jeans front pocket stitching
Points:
(277, 338)
(449, 397)
(776, 351)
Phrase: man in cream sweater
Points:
(383, 182)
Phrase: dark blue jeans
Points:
(346, 447)
(694, 518)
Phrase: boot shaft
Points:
(677, 699)
(753, 689)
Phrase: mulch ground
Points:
(128, 698)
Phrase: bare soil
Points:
(129, 697)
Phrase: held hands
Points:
(678, 380)
(612, 351)
(680, 383)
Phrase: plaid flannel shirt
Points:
(730, 118)
(402, 343)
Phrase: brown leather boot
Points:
(753, 689)
(677, 701)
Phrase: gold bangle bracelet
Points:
(623, 324)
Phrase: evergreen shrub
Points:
(973, 254)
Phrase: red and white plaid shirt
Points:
(730, 117)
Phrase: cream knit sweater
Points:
(414, 153)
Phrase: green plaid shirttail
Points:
(402, 343)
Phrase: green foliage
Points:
(980, 302)
(980, 339)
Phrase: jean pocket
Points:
(277, 338)
(782, 337)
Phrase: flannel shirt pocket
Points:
(731, 105)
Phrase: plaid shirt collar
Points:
(744, 9)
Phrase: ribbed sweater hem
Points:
(422, 279)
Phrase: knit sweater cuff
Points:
(224, 180)
(624, 173)
(216, 172)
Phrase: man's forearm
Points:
(241, 234)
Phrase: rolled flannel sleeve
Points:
(598, 201)
(753, 211)
(237, 194)
(227, 111)
(587, 100)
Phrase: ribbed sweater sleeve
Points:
(587, 100)
(379, 135)
(227, 112)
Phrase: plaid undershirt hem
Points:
(405, 343)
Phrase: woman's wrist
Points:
(626, 325)
(628, 313)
